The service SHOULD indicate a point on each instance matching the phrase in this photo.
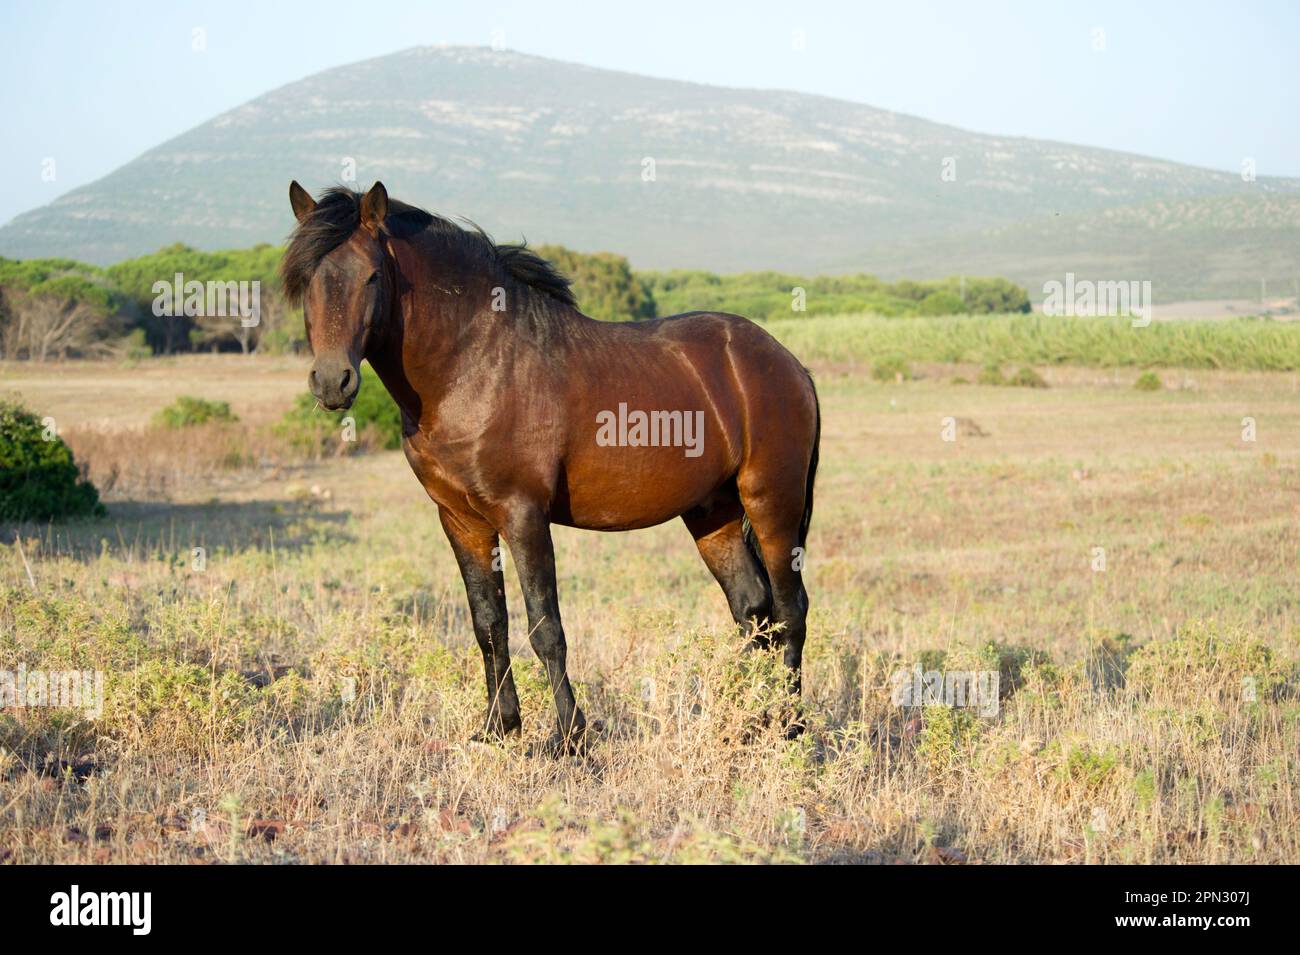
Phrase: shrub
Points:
(135, 346)
(947, 733)
(1027, 378)
(1148, 381)
(187, 411)
(943, 302)
(39, 481)
(1087, 766)
(991, 375)
(1206, 662)
(891, 369)
(309, 427)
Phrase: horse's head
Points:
(336, 265)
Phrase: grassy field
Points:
(308, 693)
(1243, 343)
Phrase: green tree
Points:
(603, 283)
(58, 308)
(176, 331)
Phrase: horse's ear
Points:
(301, 200)
(374, 207)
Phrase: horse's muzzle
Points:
(334, 382)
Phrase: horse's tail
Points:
(812, 465)
(747, 529)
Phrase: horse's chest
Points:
(441, 483)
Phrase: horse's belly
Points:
(627, 490)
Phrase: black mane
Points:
(338, 214)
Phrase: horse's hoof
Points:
(559, 746)
(794, 723)
(495, 735)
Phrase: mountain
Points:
(742, 179)
(1202, 248)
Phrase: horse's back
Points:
(744, 369)
(741, 338)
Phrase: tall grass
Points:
(1245, 344)
(307, 693)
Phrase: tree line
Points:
(61, 308)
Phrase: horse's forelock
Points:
(336, 216)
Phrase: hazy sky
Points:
(93, 84)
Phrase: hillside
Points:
(1203, 248)
(744, 179)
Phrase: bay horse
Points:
(519, 412)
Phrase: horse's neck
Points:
(443, 319)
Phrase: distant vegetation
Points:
(188, 412)
(1241, 343)
(1026, 377)
(766, 296)
(604, 283)
(54, 308)
(58, 308)
(1148, 381)
(278, 328)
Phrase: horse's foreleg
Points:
(529, 536)
(475, 545)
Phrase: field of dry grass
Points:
(309, 693)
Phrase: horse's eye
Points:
(374, 277)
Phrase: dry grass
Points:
(310, 693)
(104, 411)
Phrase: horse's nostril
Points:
(311, 380)
(343, 382)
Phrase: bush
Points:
(39, 481)
(1206, 662)
(307, 426)
(891, 369)
(1027, 378)
(1148, 381)
(943, 302)
(991, 375)
(187, 411)
(135, 346)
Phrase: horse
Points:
(518, 412)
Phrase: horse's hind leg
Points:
(717, 533)
(775, 506)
